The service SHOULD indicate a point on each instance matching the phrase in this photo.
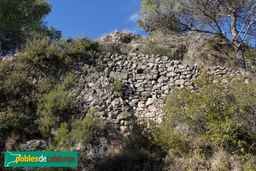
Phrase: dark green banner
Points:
(40, 159)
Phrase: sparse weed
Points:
(118, 84)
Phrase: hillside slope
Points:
(111, 97)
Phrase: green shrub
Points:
(17, 83)
(86, 129)
(40, 53)
(68, 80)
(100, 66)
(118, 84)
(250, 53)
(77, 47)
(45, 85)
(155, 49)
(168, 138)
(15, 126)
(216, 117)
(81, 130)
(15, 88)
(13, 82)
(14, 122)
(137, 153)
(54, 106)
(250, 162)
(113, 48)
(160, 50)
(61, 139)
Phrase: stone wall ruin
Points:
(146, 80)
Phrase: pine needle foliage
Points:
(54, 106)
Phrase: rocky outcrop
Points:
(34, 145)
(120, 37)
(119, 42)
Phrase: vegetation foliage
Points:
(14, 122)
(155, 49)
(211, 129)
(216, 119)
(84, 130)
(138, 153)
(18, 20)
(234, 20)
(80, 130)
(118, 84)
(54, 106)
(42, 52)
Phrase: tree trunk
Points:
(237, 45)
(240, 58)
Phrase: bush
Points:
(17, 84)
(160, 50)
(15, 127)
(45, 85)
(13, 122)
(113, 48)
(137, 153)
(42, 52)
(86, 129)
(61, 139)
(154, 48)
(15, 88)
(54, 106)
(216, 117)
(250, 53)
(100, 66)
(79, 131)
(77, 47)
(118, 84)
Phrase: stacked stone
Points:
(120, 37)
(222, 71)
(146, 80)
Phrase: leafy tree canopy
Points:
(18, 18)
(231, 19)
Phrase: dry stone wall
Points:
(120, 37)
(146, 80)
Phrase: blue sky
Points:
(93, 18)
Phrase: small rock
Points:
(180, 82)
(162, 79)
(150, 115)
(124, 115)
(89, 99)
(165, 88)
(171, 74)
(152, 108)
(140, 89)
(133, 102)
(140, 77)
(224, 81)
(145, 94)
(123, 129)
(34, 145)
(149, 101)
